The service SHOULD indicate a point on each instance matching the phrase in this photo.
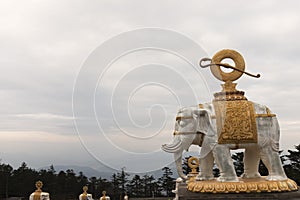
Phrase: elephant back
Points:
(268, 127)
(236, 123)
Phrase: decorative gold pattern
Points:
(266, 115)
(235, 122)
(244, 186)
(184, 117)
(229, 93)
(182, 133)
(201, 106)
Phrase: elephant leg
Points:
(206, 167)
(251, 162)
(225, 164)
(273, 163)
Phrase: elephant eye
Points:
(182, 123)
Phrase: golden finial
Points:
(38, 185)
(238, 69)
(236, 58)
(104, 195)
(85, 189)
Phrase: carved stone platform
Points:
(185, 194)
(257, 185)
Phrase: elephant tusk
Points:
(173, 147)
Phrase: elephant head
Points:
(190, 126)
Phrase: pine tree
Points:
(216, 171)
(167, 181)
(262, 169)
(93, 185)
(148, 187)
(238, 163)
(23, 180)
(135, 186)
(5, 175)
(123, 180)
(292, 169)
(103, 184)
(116, 188)
(48, 177)
(82, 180)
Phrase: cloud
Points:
(44, 116)
(44, 44)
(35, 137)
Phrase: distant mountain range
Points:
(90, 172)
(87, 171)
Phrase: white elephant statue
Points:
(196, 126)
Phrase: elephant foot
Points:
(179, 180)
(276, 178)
(228, 179)
(251, 175)
(184, 178)
(204, 177)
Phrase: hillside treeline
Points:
(67, 185)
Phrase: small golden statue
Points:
(104, 196)
(39, 194)
(85, 195)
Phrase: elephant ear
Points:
(204, 121)
(205, 126)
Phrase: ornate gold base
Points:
(244, 186)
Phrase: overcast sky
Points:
(126, 95)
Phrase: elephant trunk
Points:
(174, 147)
(178, 158)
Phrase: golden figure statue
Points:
(39, 194)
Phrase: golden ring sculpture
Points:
(237, 59)
(193, 163)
